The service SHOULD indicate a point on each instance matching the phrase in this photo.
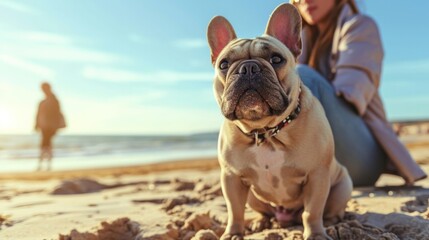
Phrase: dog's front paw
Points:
(318, 236)
(227, 236)
(259, 224)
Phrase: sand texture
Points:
(156, 202)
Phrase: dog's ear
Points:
(219, 33)
(285, 24)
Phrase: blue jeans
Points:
(355, 146)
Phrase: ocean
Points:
(19, 153)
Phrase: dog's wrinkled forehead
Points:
(260, 47)
(237, 49)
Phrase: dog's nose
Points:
(249, 67)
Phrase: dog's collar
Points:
(260, 135)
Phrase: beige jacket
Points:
(355, 67)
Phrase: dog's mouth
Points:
(252, 106)
(253, 99)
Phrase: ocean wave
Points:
(27, 146)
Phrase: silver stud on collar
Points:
(260, 137)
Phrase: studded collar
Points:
(260, 135)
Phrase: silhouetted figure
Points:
(48, 120)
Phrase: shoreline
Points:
(203, 163)
(416, 144)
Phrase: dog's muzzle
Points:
(253, 93)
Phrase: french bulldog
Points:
(276, 149)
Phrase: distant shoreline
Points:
(401, 121)
(189, 164)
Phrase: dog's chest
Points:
(276, 178)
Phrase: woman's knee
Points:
(365, 170)
(362, 176)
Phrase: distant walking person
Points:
(48, 120)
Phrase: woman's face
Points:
(314, 11)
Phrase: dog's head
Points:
(255, 79)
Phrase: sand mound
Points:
(202, 226)
(199, 225)
(347, 229)
(183, 185)
(78, 186)
(371, 226)
(205, 235)
(419, 204)
(356, 230)
(120, 229)
(403, 226)
(178, 201)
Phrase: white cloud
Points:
(37, 45)
(119, 75)
(39, 70)
(17, 6)
(65, 53)
(191, 43)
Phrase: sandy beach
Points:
(183, 200)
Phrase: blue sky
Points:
(143, 67)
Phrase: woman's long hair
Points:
(322, 41)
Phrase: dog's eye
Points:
(223, 65)
(276, 59)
